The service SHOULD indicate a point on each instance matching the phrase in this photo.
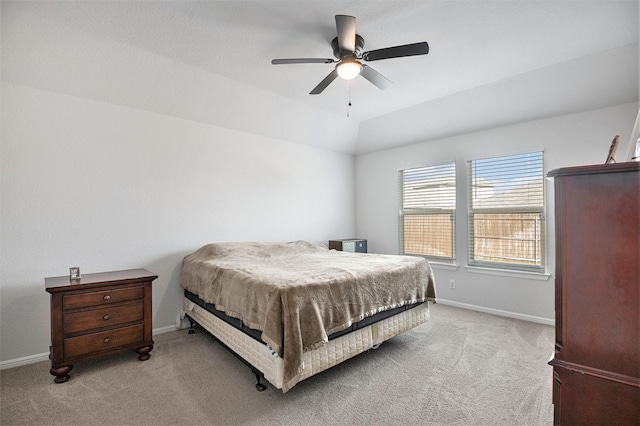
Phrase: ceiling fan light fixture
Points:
(349, 68)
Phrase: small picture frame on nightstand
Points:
(74, 273)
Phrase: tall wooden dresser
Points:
(596, 363)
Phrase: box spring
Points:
(341, 346)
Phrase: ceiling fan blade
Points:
(346, 28)
(413, 49)
(324, 83)
(302, 61)
(378, 80)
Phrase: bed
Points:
(291, 310)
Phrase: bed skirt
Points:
(262, 358)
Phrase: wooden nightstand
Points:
(354, 245)
(99, 314)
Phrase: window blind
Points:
(506, 212)
(427, 211)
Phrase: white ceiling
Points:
(491, 62)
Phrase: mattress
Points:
(264, 359)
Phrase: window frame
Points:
(539, 227)
(428, 210)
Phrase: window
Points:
(506, 212)
(427, 211)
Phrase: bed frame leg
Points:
(260, 386)
(192, 326)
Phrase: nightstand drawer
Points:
(97, 298)
(105, 340)
(103, 317)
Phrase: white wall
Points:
(113, 157)
(568, 140)
(105, 187)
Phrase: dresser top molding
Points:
(629, 166)
(64, 283)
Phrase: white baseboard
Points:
(167, 329)
(25, 360)
(32, 359)
(498, 312)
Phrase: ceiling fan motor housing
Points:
(341, 54)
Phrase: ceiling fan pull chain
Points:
(348, 97)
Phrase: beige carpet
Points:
(463, 367)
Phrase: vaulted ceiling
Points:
(491, 62)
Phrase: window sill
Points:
(444, 266)
(539, 276)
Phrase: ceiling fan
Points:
(347, 48)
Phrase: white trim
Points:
(499, 312)
(539, 276)
(635, 135)
(32, 359)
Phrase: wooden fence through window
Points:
(498, 237)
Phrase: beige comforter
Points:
(298, 293)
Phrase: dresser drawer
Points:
(97, 298)
(102, 317)
(105, 340)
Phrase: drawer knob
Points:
(106, 317)
(106, 340)
(106, 297)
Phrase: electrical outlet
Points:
(452, 283)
